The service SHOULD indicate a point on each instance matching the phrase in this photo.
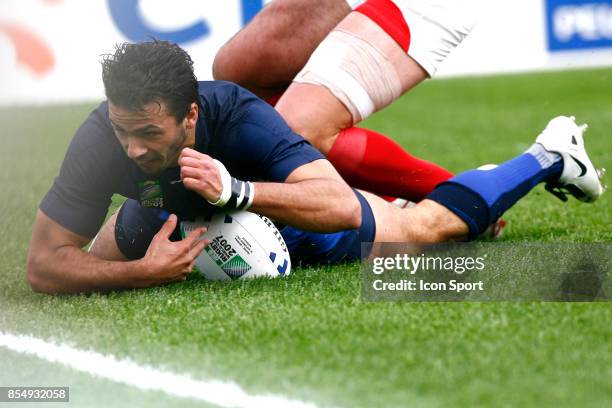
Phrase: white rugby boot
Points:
(579, 177)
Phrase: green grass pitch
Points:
(310, 336)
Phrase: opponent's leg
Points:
(265, 56)
(347, 79)
(377, 53)
(366, 159)
(360, 68)
(373, 162)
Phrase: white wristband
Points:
(235, 193)
(226, 182)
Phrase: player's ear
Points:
(192, 116)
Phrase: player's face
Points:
(151, 136)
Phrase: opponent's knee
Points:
(321, 139)
(243, 61)
(224, 67)
(315, 114)
(355, 70)
(261, 54)
(300, 125)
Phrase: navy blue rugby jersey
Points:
(234, 126)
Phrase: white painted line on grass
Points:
(224, 394)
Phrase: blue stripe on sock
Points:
(480, 197)
(464, 203)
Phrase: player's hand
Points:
(167, 261)
(200, 174)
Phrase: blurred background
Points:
(50, 49)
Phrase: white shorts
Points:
(437, 27)
(355, 3)
(361, 76)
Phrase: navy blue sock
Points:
(480, 197)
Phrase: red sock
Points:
(375, 163)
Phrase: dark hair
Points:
(154, 71)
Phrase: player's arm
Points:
(304, 191)
(313, 197)
(57, 263)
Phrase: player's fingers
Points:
(189, 268)
(188, 152)
(192, 237)
(197, 249)
(168, 228)
(191, 172)
(191, 183)
(188, 161)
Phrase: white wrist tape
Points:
(226, 183)
(235, 193)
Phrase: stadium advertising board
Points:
(578, 24)
(50, 49)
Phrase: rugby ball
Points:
(242, 245)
